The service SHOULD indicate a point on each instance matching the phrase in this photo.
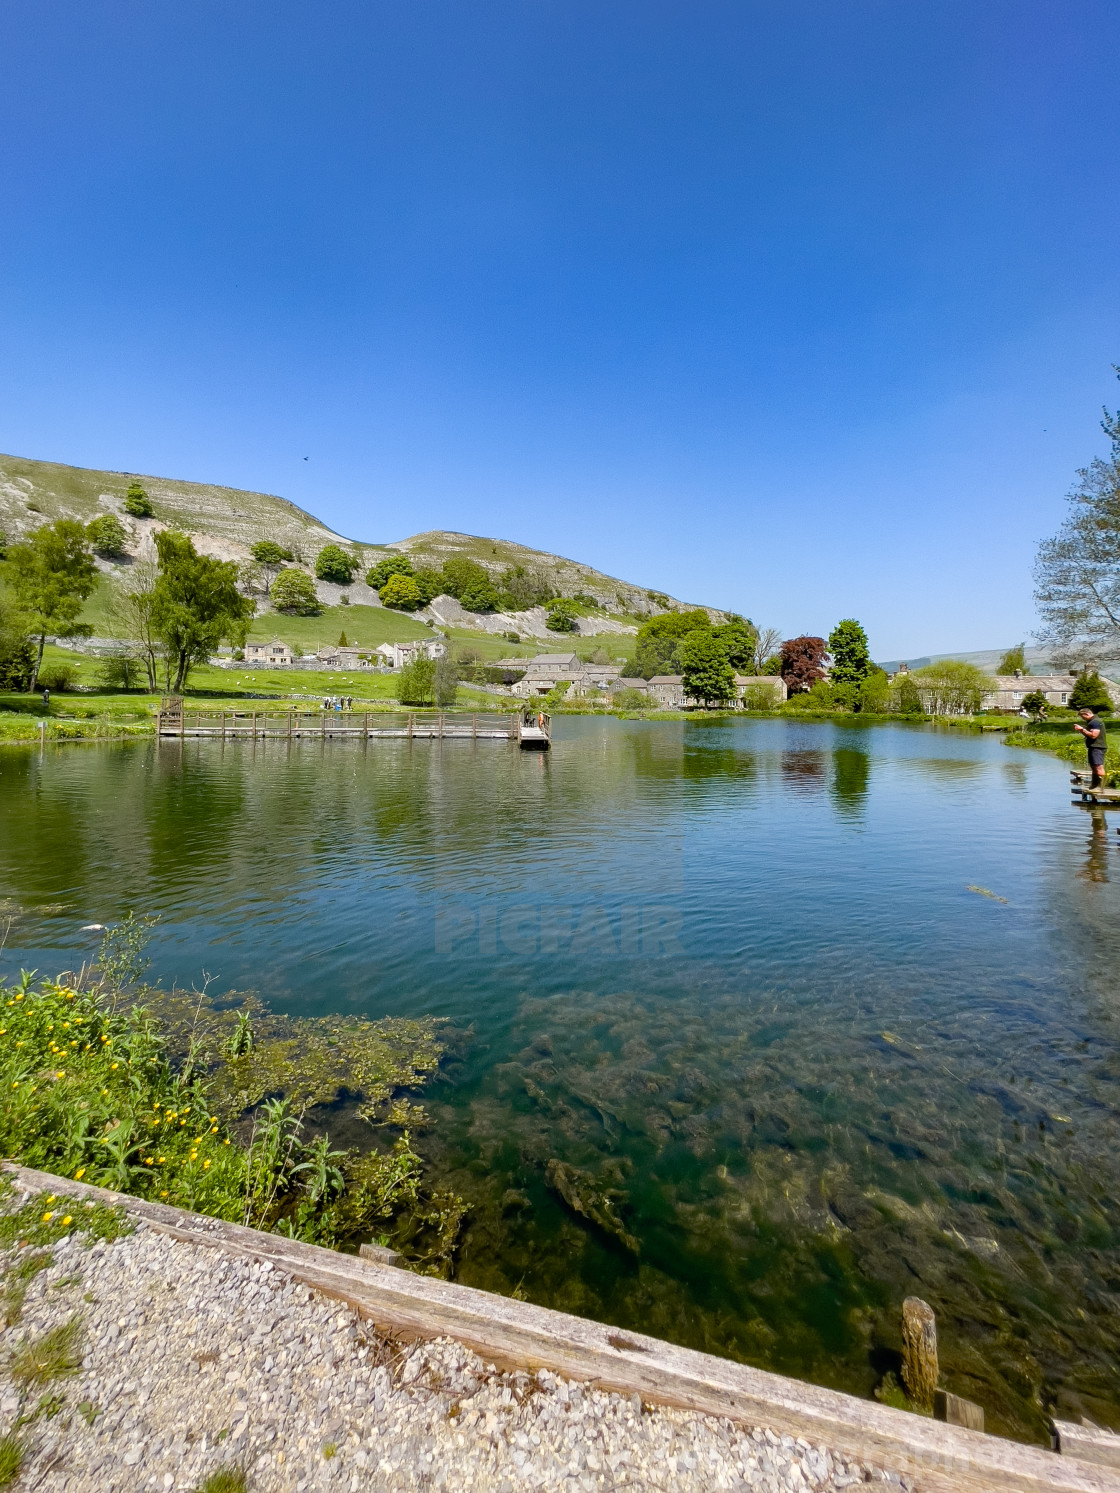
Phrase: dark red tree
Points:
(803, 661)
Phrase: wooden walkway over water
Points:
(530, 729)
(1081, 786)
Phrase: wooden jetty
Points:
(1081, 786)
(531, 730)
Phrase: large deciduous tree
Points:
(51, 574)
(851, 658)
(803, 661)
(706, 674)
(659, 639)
(195, 605)
(1077, 572)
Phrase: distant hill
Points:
(226, 522)
(1038, 661)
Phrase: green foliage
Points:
(107, 535)
(430, 583)
(11, 1459)
(561, 616)
(196, 604)
(904, 698)
(417, 682)
(470, 583)
(706, 674)
(631, 699)
(952, 687)
(50, 574)
(762, 697)
(1035, 701)
(225, 1480)
(342, 643)
(136, 501)
(874, 693)
(773, 665)
(738, 639)
(378, 574)
(58, 677)
(401, 591)
(121, 959)
(293, 591)
(851, 658)
(1089, 693)
(658, 639)
(120, 671)
(55, 1354)
(268, 552)
(446, 683)
(1014, 660)
(521, 589)
(333, 563)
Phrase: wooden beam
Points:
(940, 1458)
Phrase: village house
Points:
(668, 690)
(1012, 689)
(396, 655)
(543, 673)
(274, 655)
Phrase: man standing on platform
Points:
(1093, 732)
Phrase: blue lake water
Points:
(742, 1059)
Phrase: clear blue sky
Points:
(804, 308)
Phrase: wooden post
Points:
(410, 725)
(474, 726)
(290, 714)
(441, 725)
(223, 727)
(919, 1351)
(253, 726)
(365, 723)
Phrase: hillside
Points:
(226, 522)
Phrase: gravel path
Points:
(193, 1361)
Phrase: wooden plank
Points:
(1088, 1443)
(941, 1458)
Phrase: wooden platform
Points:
(531, 731)
(1081, 786)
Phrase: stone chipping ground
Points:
(192, 1361)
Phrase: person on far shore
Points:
(1093, 732)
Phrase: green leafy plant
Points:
(107, 535)
(293, 591)
(389, 565)
(416, 682)
(55, 1354)
(137, 502)
(561, 616)
(51, 573)
(11, 1459)
(224, 1480)
(333, 563)
(402, 592)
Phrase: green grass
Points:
(55, 1354)
(225, 1480)
(365, 627)
(11, 1459)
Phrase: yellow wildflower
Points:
(79, 1174)
(205, 1164)
(67, 1220)
(47, 1217)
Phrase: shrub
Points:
(137, 502)
(631, 699)
(561, 616)
(416, 684)
(333, 563)
(268, 552)
(904, 698)
(1089, 693)
(1035, 701)
(470, 583)
(58, 677)
(761, 697)
(120, 671)
(17, 656)
(402, 592)
(446, 682)
(378, 574)
(107, 535)
(294, 592)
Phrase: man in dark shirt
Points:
(1093, 732)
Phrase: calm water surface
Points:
(750, 1054)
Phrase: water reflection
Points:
(851, 770)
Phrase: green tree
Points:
(1035, 702)
(521, 588)
(952, 687)
(470, 583)
(416, 682)
(705, 672)
(196, 604)
(402, 592)
(378, 574)
(17, 652)
(333, 563)
(659, 639)
(1089, 693)
(446, 680)
(51, 573)
(1013, 661)
(874, 692)
(107, 535)
(270, 556)
(430, 583)
(293, 591)
(137, 502)
(851, 660)
(904, 698)
(561, 616)
(739, 638)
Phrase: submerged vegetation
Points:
(172, 1098)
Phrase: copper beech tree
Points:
(803, 661)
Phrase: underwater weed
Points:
(225, 1480)
(54, 1355)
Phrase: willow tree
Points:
(1077, 572)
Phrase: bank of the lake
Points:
(769, 1022)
